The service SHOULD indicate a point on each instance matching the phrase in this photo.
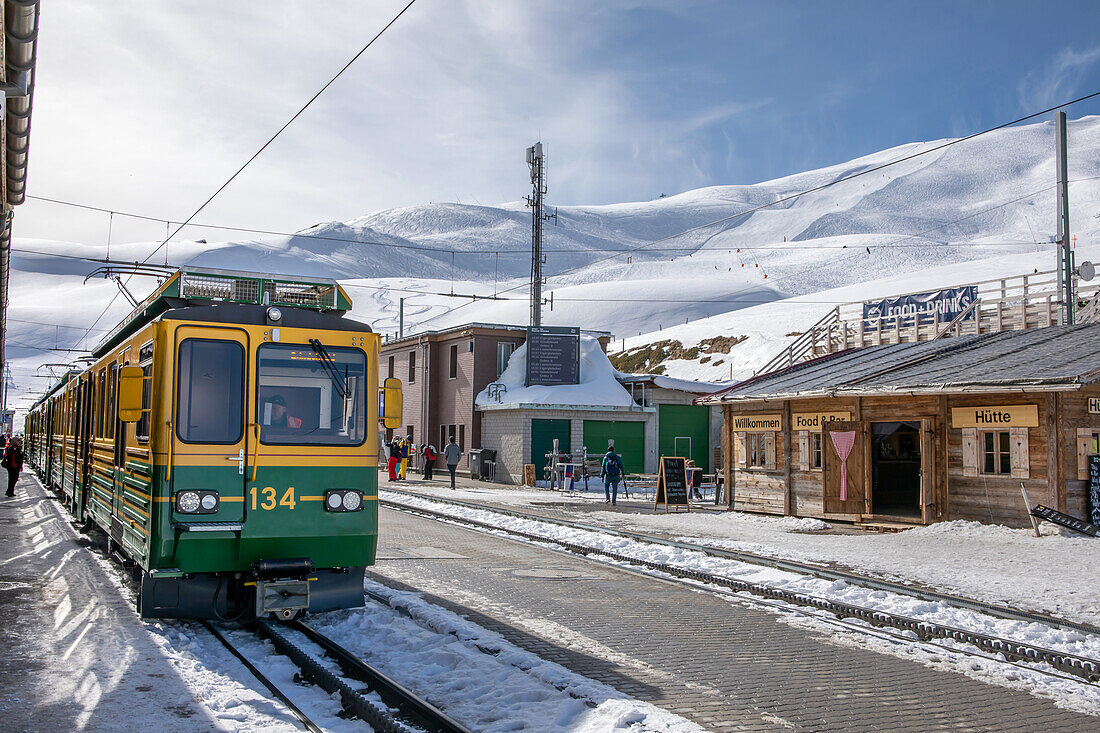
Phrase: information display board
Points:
(553, 355)
(1094, 488)
(672, 485)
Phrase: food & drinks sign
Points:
(948, 303)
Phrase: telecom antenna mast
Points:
(536, 161)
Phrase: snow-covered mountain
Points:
(978, 209)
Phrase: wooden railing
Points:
(1003, 304)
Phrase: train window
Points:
(211, 391)
(146, 402)
(111, 418)
(305, 398)
(102, 380)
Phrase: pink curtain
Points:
(843, 443)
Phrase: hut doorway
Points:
(896, 469)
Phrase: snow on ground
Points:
(480, 678)
(989, 563)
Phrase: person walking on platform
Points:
(13, 461)
(427, 452)
(395, 452)
(452, 453)
(611, 471)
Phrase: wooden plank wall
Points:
(1052, 470)
(997, 499)
(1075, 414)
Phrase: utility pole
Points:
(401, 319)
(536, 161)
(1065, 248)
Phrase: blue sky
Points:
(148, 107)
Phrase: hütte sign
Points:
(672, 486)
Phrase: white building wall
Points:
(508, 431)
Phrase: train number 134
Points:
(265, 498)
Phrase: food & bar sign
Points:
(1003, 416)
(816, 420)
(757, 423)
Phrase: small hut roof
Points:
(1055, 358)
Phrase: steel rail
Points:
(793, 566)
(1014, 651)
(413, 711)
(426, 716)
(264, 680)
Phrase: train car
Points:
(226, 440)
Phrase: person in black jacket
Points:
(13, 462)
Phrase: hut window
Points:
(996, 452)
(761, 450)
(1088, 441)
(815, 450)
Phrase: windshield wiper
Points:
(329, 365)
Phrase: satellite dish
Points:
(1086, 271)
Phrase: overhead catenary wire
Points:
(262, 148)
(814, 189)
(497, 295)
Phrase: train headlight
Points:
(187, 502)
(274, 314)
(197, 501)
(343, 500)
(352, 501)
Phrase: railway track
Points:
(402, 711)
(794, 566)
(899, 628)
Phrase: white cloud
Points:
(149, 107)
(1059, 79)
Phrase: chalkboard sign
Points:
(1065, 520)
(553, 355)
(672, 485)
(1094, 488)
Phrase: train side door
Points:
(208, 461)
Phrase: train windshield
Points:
(311, 395)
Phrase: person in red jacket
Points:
(13, 462)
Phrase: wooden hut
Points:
(916, 433)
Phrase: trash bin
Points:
(482, 463)
(475, 463)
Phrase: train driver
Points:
(280, 418)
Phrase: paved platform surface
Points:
(722, 663)
(75, 654)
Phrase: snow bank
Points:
(598, 386)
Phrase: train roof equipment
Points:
(205, 285)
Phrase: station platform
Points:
(75, 654)
(724, 663)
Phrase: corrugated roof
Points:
(1059, 356)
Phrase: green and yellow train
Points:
(226, 441)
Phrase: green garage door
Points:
(629, 437)
(543, 433)
(684, 430)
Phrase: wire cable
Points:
(262, 149)
(272, 139)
